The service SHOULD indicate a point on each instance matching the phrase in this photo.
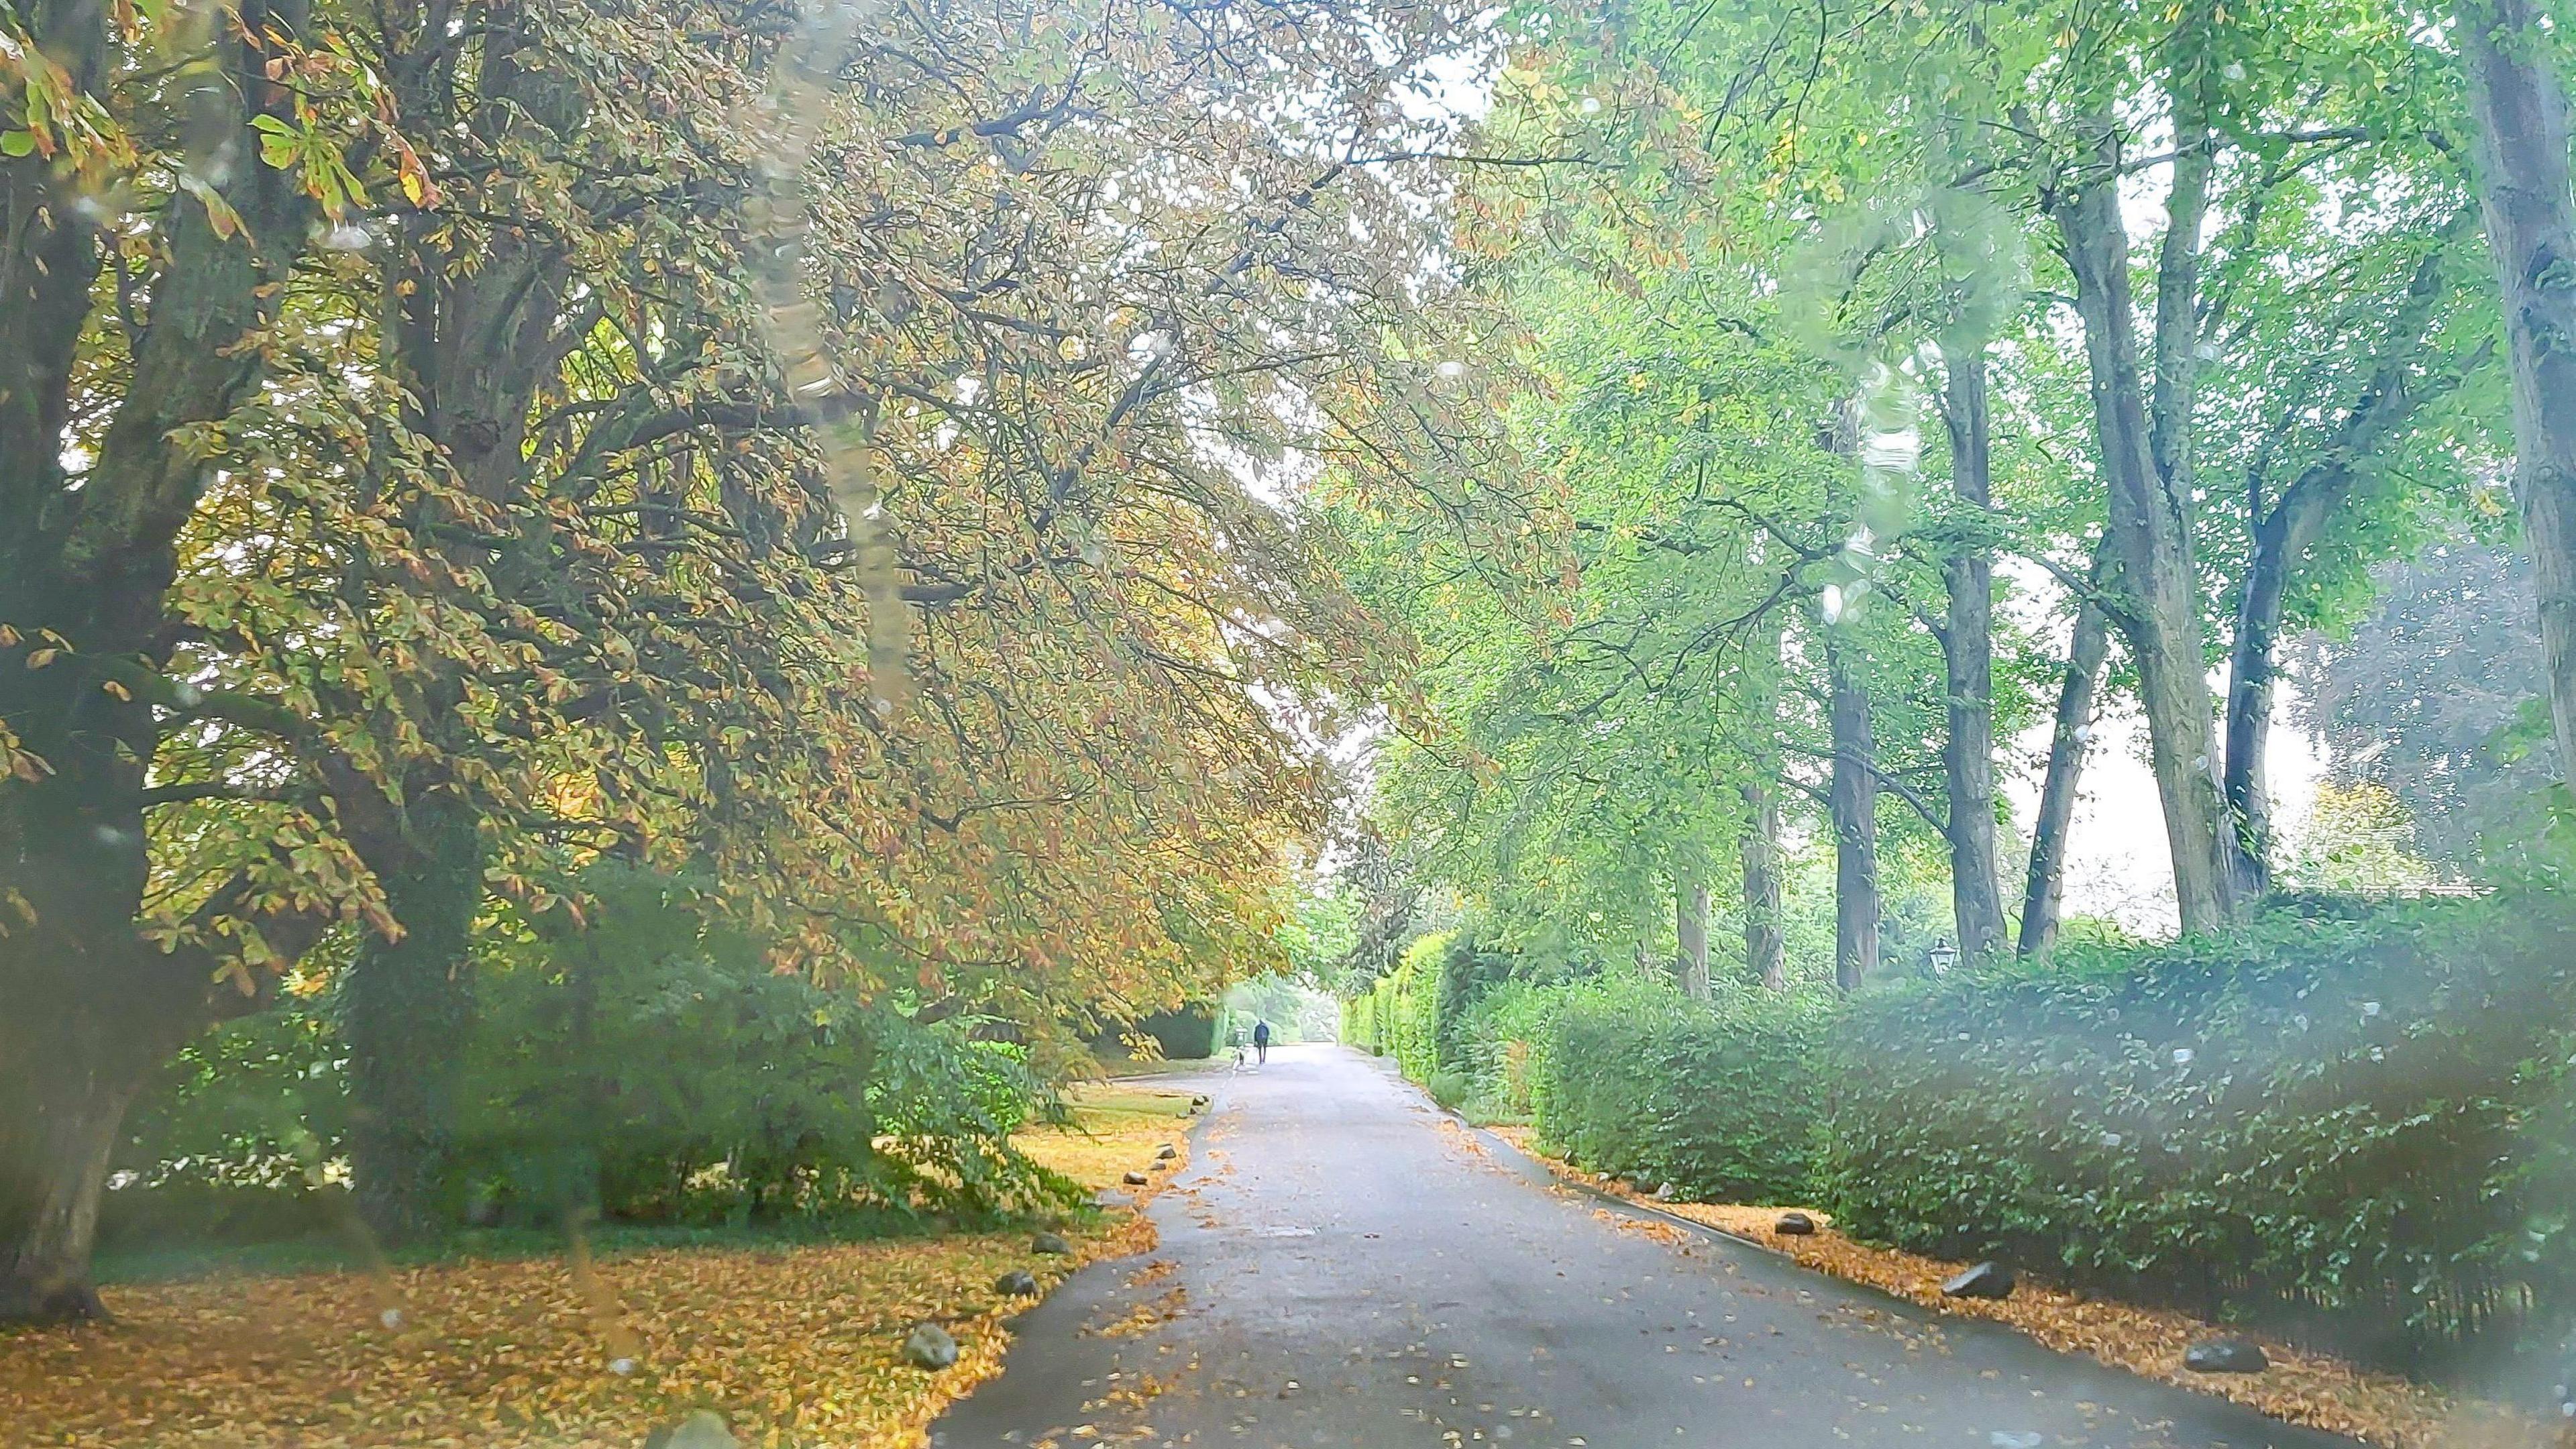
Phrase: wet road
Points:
(1341, 1265)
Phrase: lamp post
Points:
(1944, 956)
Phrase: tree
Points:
(2437, 696)
(2518, 96)
(490, 526)
(137, 337)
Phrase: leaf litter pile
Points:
(2301, 1387)
(793, 1345)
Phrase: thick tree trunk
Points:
(76, 1062)
(1690, 933)
(2521, 142)
(55, 1168)
(1854, 800)
(88, 1007)
(2152, 579)
(2046, 883)
(403, 1005)
(1967, 651)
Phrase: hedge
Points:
(1720, 1101)
(1399, 1014)
(2354, 1127)
(2353, 1130)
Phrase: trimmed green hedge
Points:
(1399, 1015)
(2353, 1126)
(1723, 1102)
(2355, 1130)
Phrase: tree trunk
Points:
(77, 1064)
(91, 1007)
(1765, 942)
(2520, 143)
(56, 1169)
(1967, 652)
(2152, 580)
(2287, 528)
(403, 1006)
(1690, 932)
(2252, 672)
(2046, 882)
(1854, 800)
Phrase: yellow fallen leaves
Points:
(1117, 1129)
(795, 1345)
(2300, 1387)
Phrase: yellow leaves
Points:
(794, 1347)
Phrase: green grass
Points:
(1112, 1098)
(1118, 1068)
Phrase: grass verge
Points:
(795, 1342)
(2300, 1387)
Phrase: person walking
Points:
(1261, 1043)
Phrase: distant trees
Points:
(2152, 439)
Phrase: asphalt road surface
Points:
(1342, 1265)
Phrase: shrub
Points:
(1399, 1014)
(652, 1062)
(648, 1063)
(2350, 1127)
(1722, 1100)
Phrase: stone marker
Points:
(1794, 1225)
(1135, 1179)
(1664, 1192)
(930, 1347)
(1017, 1283)
(2227, 1354)
(1051, 1244)
(1167, 1154)
(704, 1429)
(1985, 1280)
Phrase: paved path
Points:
(1343, 1266)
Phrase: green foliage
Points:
(1296, 1012)
(646, 1062)
(1187, 1034)
(654, 1058)
(2349, 1122)
(1399, 1014)
(1720, 1101)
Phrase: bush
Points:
(1399, 1014)
(652, 1062)
(1722, 1100)
(2350, 1127)
(648, 1063)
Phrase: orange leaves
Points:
(794, 1345)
